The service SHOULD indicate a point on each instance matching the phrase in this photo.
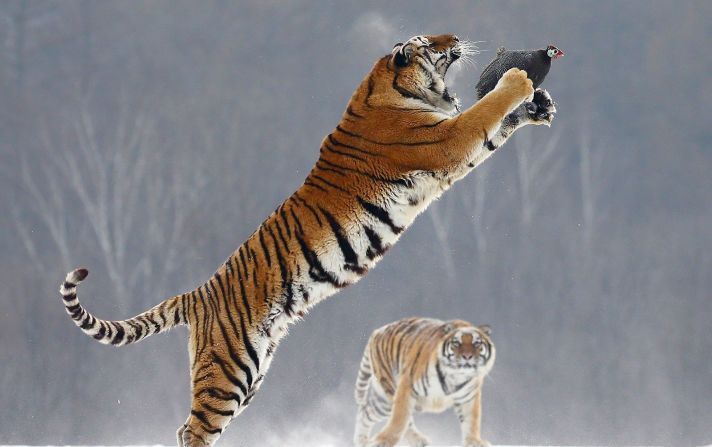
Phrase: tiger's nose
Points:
(467, 355)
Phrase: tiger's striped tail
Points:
(364, 376)
(164, 316)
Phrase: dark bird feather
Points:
(535, 62)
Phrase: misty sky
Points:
(147, 140)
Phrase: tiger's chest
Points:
(442, 392)
(346, 254)
(375, 228)
(433, 403)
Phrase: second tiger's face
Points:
(468, 349)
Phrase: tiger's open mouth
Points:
(458, 57)
(421, 66)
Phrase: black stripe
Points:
(176, 313)
(426, 126)
(243, 291)
(137, 331)
(410, 109)
(380, 214)
(344, 154)
(406, 182)
(230, 349)
(333, 185)
(394, 143)
(309, 207)
(230, 376)
(73, 308)
(248, 346)
(369, 91)
(183, 303)
(156, 326)
(264, 246)
(119, 337)
(207, 426)
(403, 92)
(350, 111)
(305, 294)
(336, 142)
(286, 222)
(308, 182)
(296, 221)
(281, 236)
(252, 256)
(241, 254)
(347, 250)
(214, 410)
(441, 379)
(102, 330)
(316, 269)
(160, 313)
(286, 277)
(223, 296)
(289, 300)
(376, 247)
(322, 168)
(280, 258)
(220, 394)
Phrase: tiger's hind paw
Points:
(541, 109)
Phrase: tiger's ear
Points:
(402, 54)
(448, 327)
(486, 328)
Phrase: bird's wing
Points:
(490, 67)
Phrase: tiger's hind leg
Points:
(376, 409)
(365, 418)
(218, 396)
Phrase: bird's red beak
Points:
(559, 54)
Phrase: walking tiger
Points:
(401, 142)
(422, 365)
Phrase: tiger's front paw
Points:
(416, 439)
(476, 443)
(541, 109)
(385, 440)
(516, 82)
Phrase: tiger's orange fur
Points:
(400, 143)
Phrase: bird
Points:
(535, 62)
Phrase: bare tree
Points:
(536, 171)
(441, 217)
(474, 203)
(131, 203)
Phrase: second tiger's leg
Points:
(401, 414)
(469, 412)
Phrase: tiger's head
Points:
(467, 348)
(420, 65)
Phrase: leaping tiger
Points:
(422, 365)
(399, 145)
